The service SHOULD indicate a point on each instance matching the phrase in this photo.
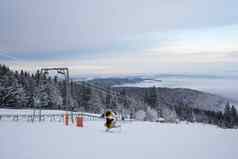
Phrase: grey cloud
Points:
(59, 25)
(233, 54)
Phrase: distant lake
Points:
(223, 86)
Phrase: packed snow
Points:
(28, 111)
(43, 112)
(138, 140)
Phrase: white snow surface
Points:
(136, 140)
(28, 111)
(43, 111)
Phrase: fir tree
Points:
(227, 116)
(150, 97)
(233, 115)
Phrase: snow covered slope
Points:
(137, 140)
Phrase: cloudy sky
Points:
(121, 37)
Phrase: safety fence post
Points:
(79, 121)
(66, 119)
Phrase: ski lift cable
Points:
(14, 60)
(106, 91)
(101, 90)
(94, 87)
(9, 57)
(116, 93)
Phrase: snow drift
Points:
(137, 140)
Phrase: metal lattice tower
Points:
(64, 71)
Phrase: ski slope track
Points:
(136, 140)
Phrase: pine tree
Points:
(95, 104)
(233, 115)
(40, 97)
(227, 116)
(220, 118)
(85, 96)
(12, 93)
(55, 98)
(125, 100)
(108, 101)
(150, 97)
(37, 77)
(55, 79)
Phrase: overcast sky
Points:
(121, 37)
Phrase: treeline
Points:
(25, 90)
(226, 119)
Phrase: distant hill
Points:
(109, 82)
(180, 97)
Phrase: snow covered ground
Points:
(43, 112)
(28, 111)
(136, 140)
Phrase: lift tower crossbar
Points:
(64, 71)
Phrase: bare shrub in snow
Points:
(151, 114)
(169, 115)
(140, 115)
